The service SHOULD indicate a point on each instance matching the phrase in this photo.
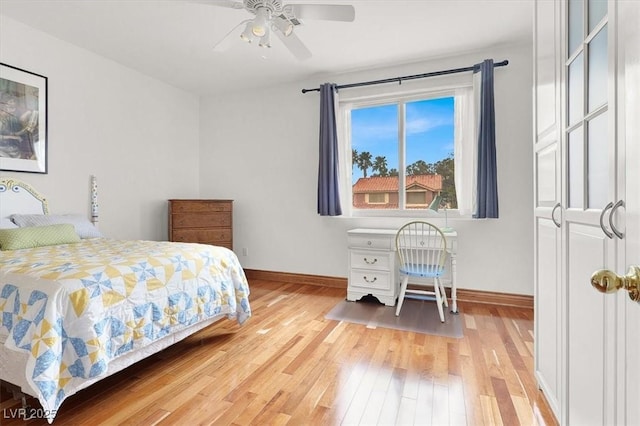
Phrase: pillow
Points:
(37, 236)
(84, 228)
(5, 222)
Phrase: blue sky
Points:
(429, 132)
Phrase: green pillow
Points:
(37, 236)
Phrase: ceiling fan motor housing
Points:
(274, 6)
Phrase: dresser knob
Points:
(370, 262)
(368, 243)
(370, 281)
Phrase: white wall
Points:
(260, 148)
(139, 136)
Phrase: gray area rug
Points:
(419, 316)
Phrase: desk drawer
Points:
(369, 279)
(372, 241)
(370, 259)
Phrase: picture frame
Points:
(23, 120)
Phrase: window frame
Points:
(344, 141)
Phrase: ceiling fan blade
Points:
(226, 41)
(327, 12)
(223, 3)
(295, 45)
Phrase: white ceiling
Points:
(172, 40)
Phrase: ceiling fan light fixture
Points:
(284, 26)
(260, 23)
(265, 40)
(247, 34)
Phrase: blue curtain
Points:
(487, 182)
(328, 185)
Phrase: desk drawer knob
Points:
(370, 281)
(370, 262)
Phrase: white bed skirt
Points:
(13, 364)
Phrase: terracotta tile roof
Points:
(390, 183)
(363, 205)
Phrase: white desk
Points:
(373, 265)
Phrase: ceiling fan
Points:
(274, 17)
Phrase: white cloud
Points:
(369, 131)
(424, 124)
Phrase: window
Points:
(402, 153)
(377, 198)
(416, 198)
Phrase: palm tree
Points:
(380, 166)
(354, 157)
(364, 162)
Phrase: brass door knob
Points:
(606, 281)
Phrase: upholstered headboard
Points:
(17, 197)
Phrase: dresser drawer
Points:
(369, 279)
(206, 236)
(201, 220)
(372, 241)
(200, 206)
(370, 259)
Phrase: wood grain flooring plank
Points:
(491, 411)
(457, 408)
(505, 404)
(242, 388)
(379, 393)
(310, 347)
(393, 398)
(407, 411)
(427, 411)
(271, 409)
(440, 407)
(227, 417)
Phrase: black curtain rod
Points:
(399, 80)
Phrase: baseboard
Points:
(464, 295)
(288, 277)
(494, 298)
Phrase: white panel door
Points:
(590, 190)
(611, 349)
(547, 196)
(628, 15)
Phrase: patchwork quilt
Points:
(76, 307)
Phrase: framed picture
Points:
(23, 120)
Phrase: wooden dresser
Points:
(201, 221)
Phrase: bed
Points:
(74, 312)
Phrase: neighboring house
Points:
(381, 192)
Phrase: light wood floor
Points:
(288, 365)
